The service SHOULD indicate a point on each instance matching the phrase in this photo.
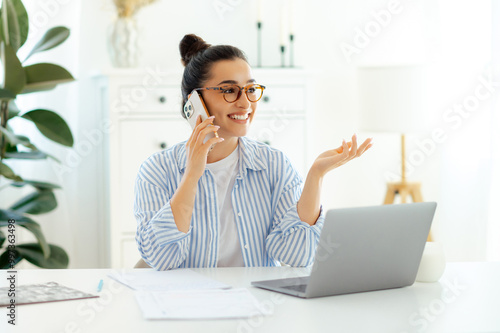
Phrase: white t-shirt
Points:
(225, 172)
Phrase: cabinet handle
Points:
(162, 99)
(163, 145)
(266, 99)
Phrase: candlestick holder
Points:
(291, 50)
(259, 44)
(282, 49)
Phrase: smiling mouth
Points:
(239, 117)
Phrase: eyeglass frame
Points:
(245, 88)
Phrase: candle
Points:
(259, 11)
(283, 30)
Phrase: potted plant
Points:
(23, 79)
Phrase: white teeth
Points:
(244, 117)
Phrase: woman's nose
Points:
(243, 101)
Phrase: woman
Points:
(230, 201)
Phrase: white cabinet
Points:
(144, 112)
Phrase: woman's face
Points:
(223, 73)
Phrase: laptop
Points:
(364, 249)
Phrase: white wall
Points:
(450, 37)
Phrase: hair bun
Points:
(189, 46)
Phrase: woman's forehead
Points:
(226, 71)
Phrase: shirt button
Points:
(246, 246)
(239, 213)
(235, 186)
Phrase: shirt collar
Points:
(250, 156)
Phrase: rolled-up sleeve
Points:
(160, 243)
(292, 241)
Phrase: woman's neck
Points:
(222, 150)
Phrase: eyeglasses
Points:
(232, 93)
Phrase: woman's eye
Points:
(251, 90)
(228, 91)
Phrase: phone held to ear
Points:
(194, 107)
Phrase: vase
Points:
(433, 263)
(123, 43)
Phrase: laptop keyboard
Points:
(297, 287)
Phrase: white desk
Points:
(466, 299)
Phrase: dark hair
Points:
(198, 57)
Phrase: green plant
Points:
(19, 79)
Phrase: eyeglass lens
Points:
(232, 93)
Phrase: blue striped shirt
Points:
(264, 199)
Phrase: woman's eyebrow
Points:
(234, 82)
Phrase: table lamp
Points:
(391, 100)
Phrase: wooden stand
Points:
(404, 188)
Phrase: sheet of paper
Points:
(177, 279)
(199, 304)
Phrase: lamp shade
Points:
(391, 98)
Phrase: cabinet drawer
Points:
(140, 138)
(137, 99)
(284, 98)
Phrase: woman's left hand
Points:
(334, 158)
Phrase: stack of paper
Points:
(199, 304)
(185, 294)
(178, 279)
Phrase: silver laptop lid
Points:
(370, 248)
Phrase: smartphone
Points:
(194, 106)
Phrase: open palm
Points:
(334, 158)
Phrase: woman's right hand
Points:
(196, 150)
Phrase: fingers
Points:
(213, 141)
(204, 132)
(351, 149)
(367, 144)
(200, 125)
(340, 149)
(345, 149)
(354, 147)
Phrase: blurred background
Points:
(454, 155)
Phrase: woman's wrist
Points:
(314, 175)
(190, 178)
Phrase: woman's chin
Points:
(236, 134)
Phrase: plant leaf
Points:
(32, 252)
(38, 202)
(26, 155)
(50, 39)
(15, 78)
(51, 125)
(6, 94)
(7, 172)
(5, 260)
(13, 110)
(2, 238)
(27, 223)
(36, 184)
(29, 155)
(17, 139)
(44, 76)
(17, 23)
(9, 148)
(14, 140)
